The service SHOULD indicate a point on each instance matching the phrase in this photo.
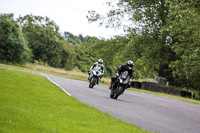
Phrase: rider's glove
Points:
(117, 74)
(130, 80)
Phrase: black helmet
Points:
(130, 64)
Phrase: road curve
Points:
(147, 111)
(150, 112)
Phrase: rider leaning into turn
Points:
(125, 67)
(97, 64)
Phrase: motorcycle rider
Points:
(97, 64)
(125, 67)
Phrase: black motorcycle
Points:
(122, 84)
(94, 77)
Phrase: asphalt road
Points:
(147, 111)
(150, 112)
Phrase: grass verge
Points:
(167, 95)
(30, 103)
(75, 74)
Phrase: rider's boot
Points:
(113, 86)
(88, 75)
(110, 87)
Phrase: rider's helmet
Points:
(130, 64)
(100, 61)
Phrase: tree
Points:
(68, 56)
(13, 46)
(149, 18)
(85, 55)
(70, 38)
(183, 26)
(46, 42)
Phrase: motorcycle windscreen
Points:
(124, 75)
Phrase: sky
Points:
(69, 15)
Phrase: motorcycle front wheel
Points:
(112, 94)
(92, 82)
(117, 92)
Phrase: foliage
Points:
(46, 42)
(185, 37)
(13, 46)
(73, 39)
(85, 55)
(111, 51)
(68, 56)
(163, 37)
(146, 42)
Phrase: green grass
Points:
(30, 103)
(48, 70)
(167, 95)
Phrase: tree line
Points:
(34, 39)
(163, 38)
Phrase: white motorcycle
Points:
(95, 77)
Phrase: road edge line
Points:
(56, 84)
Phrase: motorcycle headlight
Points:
(94, 72)
(120, 81)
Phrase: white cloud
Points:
(69, 15)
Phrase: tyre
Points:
(90, 85)
(111, 94)
(91, 81)
(118, 92)
(94, 81)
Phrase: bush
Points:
(13, 46)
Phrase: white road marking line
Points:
(56, 84)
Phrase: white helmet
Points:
(100, 61)
(130, 64)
